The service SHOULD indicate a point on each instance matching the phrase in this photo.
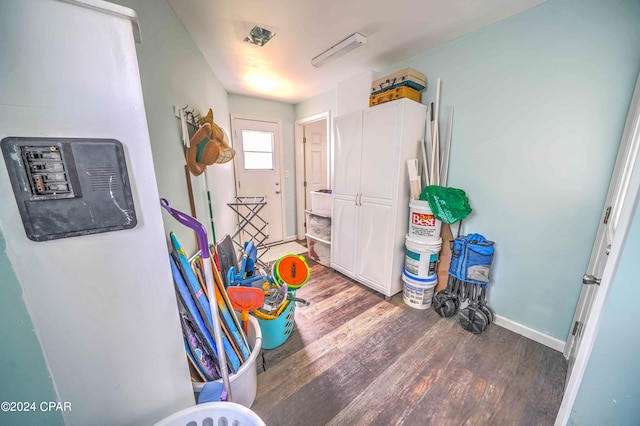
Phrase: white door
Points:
(374, 245)
(612, 232)
(315, 158)
(621, 191)
(346, 185)
(343, 234)
(258, 172)
(346, 161)
(381, 151)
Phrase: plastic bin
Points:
(321, 202)
(244, 382)
(213, 413)
(276, 331)
(319, 250)
(318, 225)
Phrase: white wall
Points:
(283, 112)
(174, 72)
(353, 93)
(540, 103)
(23, 371)
(103, 306)
(325, 101)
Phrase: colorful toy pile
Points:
(269, 295)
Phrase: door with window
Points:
(258, 169)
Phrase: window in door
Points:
(258, 150)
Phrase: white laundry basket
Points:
(214, 413)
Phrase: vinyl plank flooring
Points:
(356, 359)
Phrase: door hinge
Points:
(304, 139)
(577, 328)
(607, 213)
(305, 183)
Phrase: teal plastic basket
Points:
(276, 331)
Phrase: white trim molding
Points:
(529, 333)
(300, 194)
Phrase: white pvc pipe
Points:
(215, 320)
(429, 146)
(446, 150)
(425, 169)
(436, 138)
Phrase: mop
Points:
(208, 273)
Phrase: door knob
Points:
(590, 279)
(277, 192)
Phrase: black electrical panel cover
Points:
(69, 187)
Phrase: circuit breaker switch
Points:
(46, 169)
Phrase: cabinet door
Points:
(346, 158)
(375, 245)
(380, 151)
(343, 234)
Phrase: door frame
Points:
(279, 153)
(299, 148)
(630, 157)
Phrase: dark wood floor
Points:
(355, 359)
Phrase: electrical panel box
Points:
(69, 187)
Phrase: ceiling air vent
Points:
(259, 36)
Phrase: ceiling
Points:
(281, 69)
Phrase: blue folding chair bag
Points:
(478, 259)
(471, 258)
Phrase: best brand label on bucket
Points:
(423, 225)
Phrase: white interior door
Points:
(258, 170)
(315, 158)
(619, 194)
(612, 233)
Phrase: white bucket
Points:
(423, 225)
(421, 258)
(417, 292)
(244, 383)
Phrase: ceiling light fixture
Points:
(259, 36)
(346, 45)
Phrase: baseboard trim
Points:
(530, 333)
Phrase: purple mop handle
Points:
(192, 223)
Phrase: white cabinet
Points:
(371, 191)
